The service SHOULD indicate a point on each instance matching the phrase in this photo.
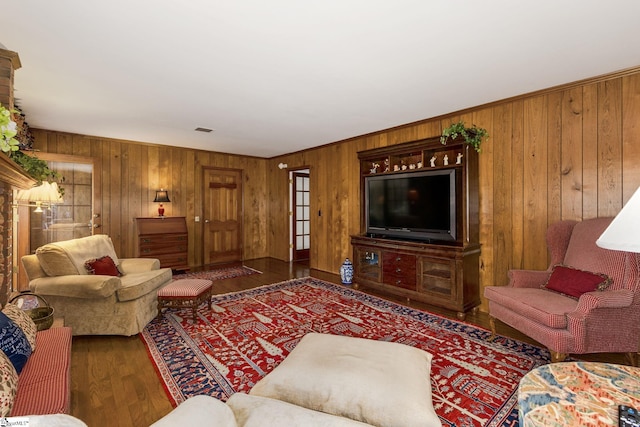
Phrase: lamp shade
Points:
(47, 193)
(623, 234)
(162, 196)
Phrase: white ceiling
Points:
(273, 77)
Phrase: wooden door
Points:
(223, 215)
(301, 216)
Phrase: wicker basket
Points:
(41, 316)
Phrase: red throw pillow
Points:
(573, 282)
(102, 266)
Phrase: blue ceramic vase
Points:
(346, 272)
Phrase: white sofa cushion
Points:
(199, 410)
(256, 411)
(377, 382)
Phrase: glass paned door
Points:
(77, 217)
(71, 219)
(301, 216)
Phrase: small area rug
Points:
(248, 333)
(219, 273)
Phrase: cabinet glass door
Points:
(368, 265)
(437, 276)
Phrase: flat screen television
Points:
(412, 205)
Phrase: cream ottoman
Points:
(327, 381)
(376, 382)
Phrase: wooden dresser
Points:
(164, 238)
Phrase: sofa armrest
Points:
(76, 286)
(528, 278)
(605, 299)
(138, 265)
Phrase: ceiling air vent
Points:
(203, 130)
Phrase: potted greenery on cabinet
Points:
(472, 136)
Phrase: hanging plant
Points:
(472, 136)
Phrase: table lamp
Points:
(623, 234)
(45, 194)
(162, 196)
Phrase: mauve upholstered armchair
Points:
(597, 321)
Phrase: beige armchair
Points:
(96, 304)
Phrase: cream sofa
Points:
(96, 304)
(328, 381)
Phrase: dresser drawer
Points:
(399, 270)
(155, 245)
(176, 261)
(147, 251)
(173, 239)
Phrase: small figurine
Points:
(419, 165)
(446, 160)
(375, 167)
(396, 167)
(433, 162)
(459, 159)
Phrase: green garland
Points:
(34, 167)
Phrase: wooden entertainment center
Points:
(442, 273)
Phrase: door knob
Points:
(206, 221)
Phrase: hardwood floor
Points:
(113, 382)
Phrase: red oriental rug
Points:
(218, 273)
(248, 333)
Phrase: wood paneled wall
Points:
(565, 153)
(132, 172)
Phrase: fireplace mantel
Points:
(12, 174)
